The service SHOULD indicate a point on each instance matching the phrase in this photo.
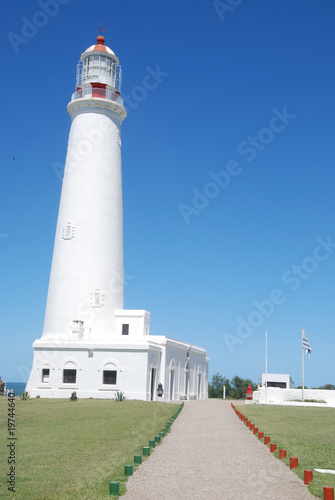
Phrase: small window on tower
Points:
(109, 377)
(45, 375)
(68, 231)
(97, 298)
(125, 329)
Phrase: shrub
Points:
(25, 395)
(119, 396)
(73, 396)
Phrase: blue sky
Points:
(228, 172)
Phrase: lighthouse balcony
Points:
(97, 90)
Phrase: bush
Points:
(119, 396)
(73, 396)
(25, 395)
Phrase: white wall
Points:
(132, 358)
(278, 396)
(138, 321)
(131, 367)
(278, 377)
(176, 358)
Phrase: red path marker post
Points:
(260, 435)
(308, 476)
(266, 439)
(282, 454)
(273, 447)
(293, 462)
(328, 493)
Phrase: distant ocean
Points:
(17, 387)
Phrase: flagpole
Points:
(302, 363)
(266, 366)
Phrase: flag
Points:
(305, 344)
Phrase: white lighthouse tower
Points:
(86, 281)
(90, 344)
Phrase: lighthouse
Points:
(90, 344)
(86, 281)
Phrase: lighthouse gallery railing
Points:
(103, 93)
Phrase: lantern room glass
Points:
(99, 68)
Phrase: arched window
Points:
(109, 374)
(45, 375)
(69, 373)
(68, 231)
(97, 298)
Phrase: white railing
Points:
(88, 92)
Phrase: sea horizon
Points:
(17, 387)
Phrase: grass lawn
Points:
(305, 432)
(73, 449)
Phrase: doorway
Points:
(153, 384)
(187, 383)
(171, 384)
(199, 385)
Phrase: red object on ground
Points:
(252, 426)
(308, 476)
(255, 430)
(266, 439)
(249, 393)
(273, 447)
(260, 435)
(293, 462)
(328, 493)
(248, 423)
(282, 454)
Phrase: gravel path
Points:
(209, 454)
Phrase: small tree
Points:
(239, 387)
(2, 387)
(215, 389)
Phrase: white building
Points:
(278, 380)
(90, 344)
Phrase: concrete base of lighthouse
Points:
(134, 363)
